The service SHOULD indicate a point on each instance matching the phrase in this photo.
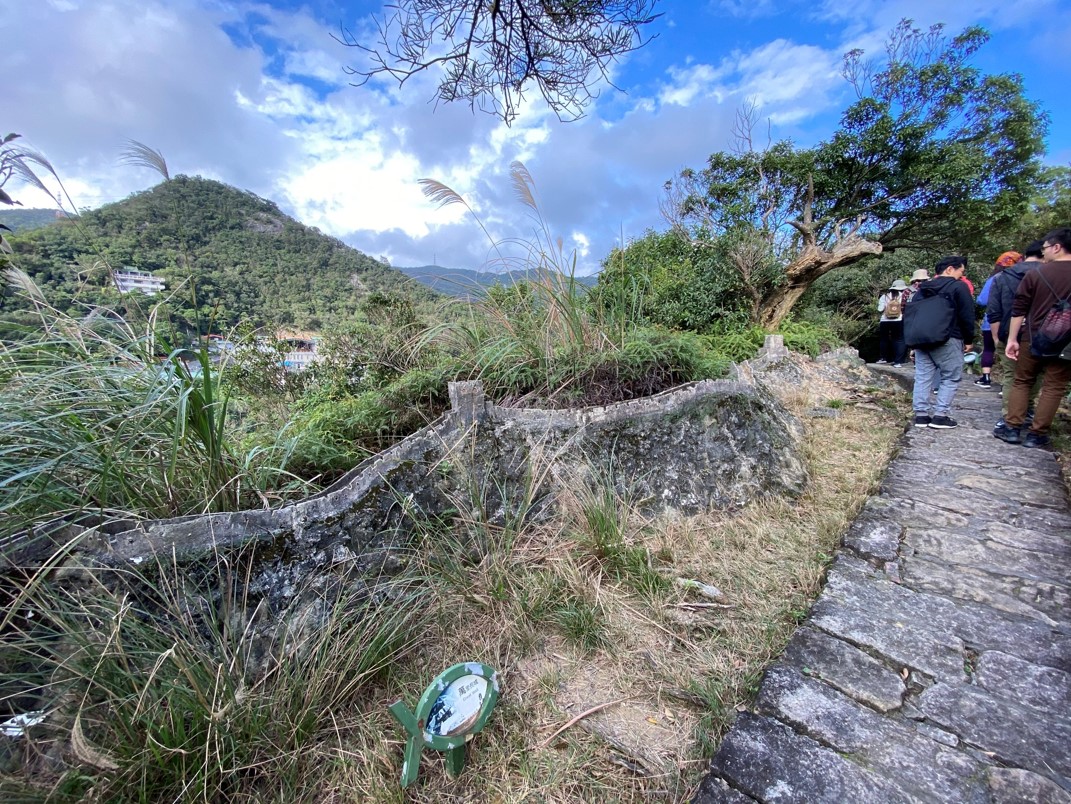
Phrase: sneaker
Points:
(1033, 440)
(897, 365)
(999, 425)
(984, 381)
(1010, 435)
(922, 421)
(881, 362)
(943, 423)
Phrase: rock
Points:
(845, 668)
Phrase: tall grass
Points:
(548, 340)
(93, 422)
(164, 688)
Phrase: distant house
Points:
(129, 279)
(301, 355)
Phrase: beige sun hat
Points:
(899, 284)
(920, 275)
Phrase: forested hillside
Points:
(228, 258)
(21, 219)
(467, 284)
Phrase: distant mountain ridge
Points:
(464, 283)
(18, 219)
(228, 257)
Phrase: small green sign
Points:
(452, 710)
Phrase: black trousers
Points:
(891, 346)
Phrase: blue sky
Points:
(255, 94)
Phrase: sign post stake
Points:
(452, 710)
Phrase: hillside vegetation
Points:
(251, 263)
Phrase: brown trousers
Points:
(1056, 376)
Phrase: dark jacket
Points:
(962, 299)
(999, 307)
(1034, 298)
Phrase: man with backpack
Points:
(939, 325)
(998, 313)
(1041, 301)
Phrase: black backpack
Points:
(929, 318)
(1053, 336)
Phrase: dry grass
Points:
(617, 680)
(671, 667)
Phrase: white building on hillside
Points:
(129, 279)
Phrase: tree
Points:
(490, 52)
(933, 154)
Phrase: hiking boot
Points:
(922, 421)
(1010, 435)
(985, 381)
(1033, 440)
(943, 423)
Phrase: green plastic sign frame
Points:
(448, 705)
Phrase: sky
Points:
(255, 94)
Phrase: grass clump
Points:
(160, 688)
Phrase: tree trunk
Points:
(811, 263)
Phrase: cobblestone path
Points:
(936, 664)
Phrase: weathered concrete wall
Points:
(709, 444)
(716, 443)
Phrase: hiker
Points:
(998, 313)
(921, 275)
(891, 346)
(939, 323)
(1005, 260)
(1037, 293)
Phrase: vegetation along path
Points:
(936, 664)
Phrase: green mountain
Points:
(228, 258)
(463, 283)
(17, 219)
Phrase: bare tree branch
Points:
(490, 52)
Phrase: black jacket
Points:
(1002, 294)
(961, 297)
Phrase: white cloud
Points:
(269, 108)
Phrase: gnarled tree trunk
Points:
(811, 263)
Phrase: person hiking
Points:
(891, 346)
(1005, 260)
(998, 313)
(939, 355)
(1039, 291)
(921, 275)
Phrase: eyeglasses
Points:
(1046, 246)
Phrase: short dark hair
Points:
(953, 261)
(1061, 236)
(1034, 249)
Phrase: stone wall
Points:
(716, 443)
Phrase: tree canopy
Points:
(489, 53)
(932, 154)
(228, 257)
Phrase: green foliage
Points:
(670, 282)
(91, 423)
(227, 256)
(933, 155)
(167, 701)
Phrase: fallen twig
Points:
(580, 717)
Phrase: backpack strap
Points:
(1052, 290)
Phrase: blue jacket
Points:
(983, 299)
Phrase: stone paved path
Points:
(936, 664)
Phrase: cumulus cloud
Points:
(255, 93)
